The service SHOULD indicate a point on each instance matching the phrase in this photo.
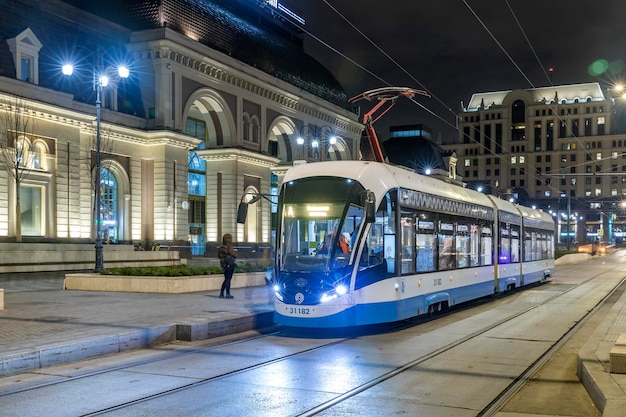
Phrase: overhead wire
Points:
(381, 50)
(530, 45)
(397, 64)
(417, 81)
(499, 44)
(558, 116)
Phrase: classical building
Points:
(558, 148)
(218, 101)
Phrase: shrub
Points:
(180, 270)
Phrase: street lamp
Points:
(317, 137)
(100, 81)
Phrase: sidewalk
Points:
(43, 325)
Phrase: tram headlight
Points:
(277, 287)
(339, 290)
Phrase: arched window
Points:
(22, 148)
(518, 112)
(108, 206)
(518, 120)
(246, 127)
(38, 156)
(256, 129)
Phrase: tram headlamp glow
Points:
(341, 290)
(327, 297)
(276, 288)
(337, 292)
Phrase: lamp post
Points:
(100, 81)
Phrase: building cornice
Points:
(86, 123)
(220, 69)
(238, 154)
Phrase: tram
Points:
(362, 242)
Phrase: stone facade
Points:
(185, 98)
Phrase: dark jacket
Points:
(226, 249)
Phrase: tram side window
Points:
(447, 251)
(544, 246)
(505, 246)
(408, 242)
(534, 246)
(538, 245)
(549, 245)
(486, 246)
(379, 248)
(425, 245)
(380, 243)
(463, 247)
(474, 245)
(528, 250)
(515, 244)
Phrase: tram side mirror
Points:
(242, 212)
(370, 207)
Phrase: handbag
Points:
(229, 262)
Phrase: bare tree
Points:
(15, 146)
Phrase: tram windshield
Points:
(319, 220)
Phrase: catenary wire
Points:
(503, 156)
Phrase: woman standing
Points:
(227, 255)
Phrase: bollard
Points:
(1, 299)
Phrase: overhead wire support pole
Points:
(385, 96)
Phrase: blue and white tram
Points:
(362, 243)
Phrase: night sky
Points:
(454, 48)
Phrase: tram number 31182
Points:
(299, 310)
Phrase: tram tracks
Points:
(493, 407)
(348, 394)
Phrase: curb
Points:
(88, 348)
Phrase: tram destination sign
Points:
(417, 199)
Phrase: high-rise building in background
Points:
(559, 148)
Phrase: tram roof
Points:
(379, 178)
(536, 218)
